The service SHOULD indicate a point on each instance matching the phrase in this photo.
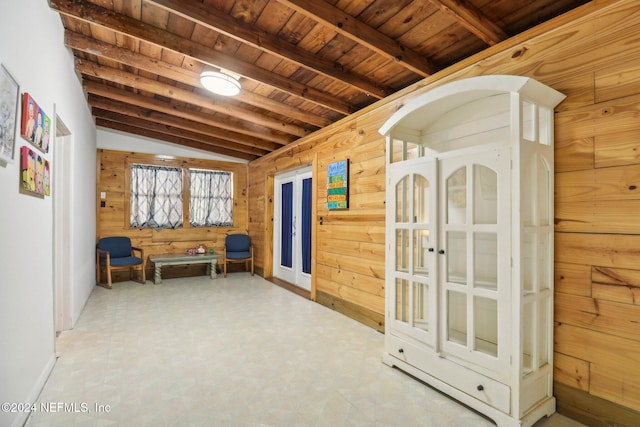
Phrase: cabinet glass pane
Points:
(420, 199)
(528, 178)
(544, 314)
(485, 321)
(485, 195)
(397, 150)
(528, 266)
(402, 300)
(413, 151)
(402, 200)
(527, 338)
(543, 193)
(421, 306)
(485, 260)
(543, 262)
(529, 121)
(457, 197)
(457, 317)
(402, 250)
(421, 252)
(457, 257)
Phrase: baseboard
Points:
(290, 287)
(37, 388)
(591, 410)
(349, 309)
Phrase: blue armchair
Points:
(237, 248)
(114, 253)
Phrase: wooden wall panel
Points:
(590, 54)
(616, 284)
(113, 219)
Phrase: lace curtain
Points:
(156, 196)
(211, 201)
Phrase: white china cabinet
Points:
(469, 229)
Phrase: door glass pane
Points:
(485, 320)
(421, 306)
(402, 300)
(485, 195)
(457, 257)
(457, 317)
(402, 200)
(485, 260)
(420, 199)
(457, 197)
(402, 250)
(421, 252)
(286, 238)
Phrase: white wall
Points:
(114, 140)
(32, 49)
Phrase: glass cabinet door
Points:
(474, 243)
(411, 213)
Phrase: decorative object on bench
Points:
(117, 253)
(160, 260)
(237, 248)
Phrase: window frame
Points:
(186, 188)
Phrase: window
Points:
(156, 196)
(211, 201)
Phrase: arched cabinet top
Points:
(471, 100)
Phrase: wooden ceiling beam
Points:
(107, 104)
(215, 20)
(172, 131)
(162, 89)
(171, 108)
(123, 127)
(101, 49)
(345, 24)
(94, 14)
(473, 20)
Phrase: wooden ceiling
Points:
(304, 64)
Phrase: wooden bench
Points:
(160, 260)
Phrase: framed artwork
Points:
(9, 104)
(35, 172)
(36, 125)
(338, 185)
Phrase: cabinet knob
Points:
(480, 387)
(431, 249)
(400, 350)
(441, 251)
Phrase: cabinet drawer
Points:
(479, 386)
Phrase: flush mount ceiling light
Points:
(221, 82)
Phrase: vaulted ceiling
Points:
(304, 64)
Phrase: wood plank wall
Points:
(113, 219)
(593, 56)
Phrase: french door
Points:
(292, 228)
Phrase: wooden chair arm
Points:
(141, 251)
(102, 251)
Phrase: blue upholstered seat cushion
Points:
(238, 255)
(122, 261)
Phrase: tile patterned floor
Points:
(239, 352)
